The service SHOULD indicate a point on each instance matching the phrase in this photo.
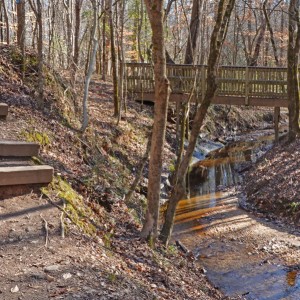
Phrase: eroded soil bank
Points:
(249, 254)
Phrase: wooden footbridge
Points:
(250, 86)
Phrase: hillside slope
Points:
(101, 255)
(273, 185)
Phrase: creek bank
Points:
(273, 185)
(111, 264)
(225, 162)
(251, 129)
(245, 254)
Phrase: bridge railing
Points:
(259, 82)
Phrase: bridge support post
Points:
(247, 86)
(276, 123)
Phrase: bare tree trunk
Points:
(67, 4)
(155, 9)
(271, 31)
(253, 59)
(21, 24)
(91, 66)
(104, 40)
(217, 40)
(78, 5)
(293, 60)
(38, 11)
(52, 14)
(39, 17)
(121, 58)
(114, 62)
(194, 31)
(6, 22)
(139, 31)
(2, 22)
(21, 32)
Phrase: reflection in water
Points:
(291, 277)
(221, 166)
(229, 265)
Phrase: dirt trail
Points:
(30, 269)
(244, 254)
(114, 263)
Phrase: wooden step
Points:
(3, 110)
(25, 175)
(18, 149)
(15, 161)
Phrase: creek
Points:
(237, 251)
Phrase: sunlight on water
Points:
(229, 266)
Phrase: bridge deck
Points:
(255, 86)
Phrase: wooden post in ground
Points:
(276, 123)
(247, 86)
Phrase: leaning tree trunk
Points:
(254, 58)
(271, 31)
(155, 10)
(194, 31)
(216, 42)
(293, 60)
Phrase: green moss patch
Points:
(79, 212)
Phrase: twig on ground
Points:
(62, 224)
(68, 215)
(46, 231)
(60, 208)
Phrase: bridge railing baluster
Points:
(247, 82)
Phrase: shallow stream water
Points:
(231, 266)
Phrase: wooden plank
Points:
(252, 101)
(225, 100)
(18, 149)
(276, 123)
(3, 110)
(255, 86)
(25, 175)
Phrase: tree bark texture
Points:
(292, 77)
(21, 25)
(155, 10)
(217, 39)
(114, 62)
(194, 31)
(6, 22)
(271, 31)
(91, 64)
(75, 58)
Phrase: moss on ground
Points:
(79, 212)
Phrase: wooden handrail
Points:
(247, 82)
